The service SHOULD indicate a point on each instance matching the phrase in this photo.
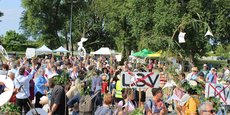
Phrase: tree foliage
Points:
(131, 24)
(13, 40)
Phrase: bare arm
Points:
(53, 108)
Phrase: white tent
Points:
(43, 49)
(103, 51)
(61, 49)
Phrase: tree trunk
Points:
(191, 60)
(66, 40)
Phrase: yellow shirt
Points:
(192, 105)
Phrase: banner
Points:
(218, 91)
(140, 80)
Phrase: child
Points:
(104, 85)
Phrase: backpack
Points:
(151, 106)
(86, 105)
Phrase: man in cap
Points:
(205, 70)
(212, 76)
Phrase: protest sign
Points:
(218, 91)
(140, 79)
(30, 52)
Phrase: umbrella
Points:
(142, 53)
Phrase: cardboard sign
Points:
(218, 91)
(140, 79)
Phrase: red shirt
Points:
(104, 87)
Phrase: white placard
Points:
(218, 91)
(140, 79)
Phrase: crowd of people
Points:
(93, 85)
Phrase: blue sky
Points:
(12, 12)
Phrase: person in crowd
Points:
(105, 73)
(40, 87)
(22, 84)
(105, 108)
(212, 76)
(4, 70)
(201, 77)
(58, 101)
(156, 105)
(193, 74)
(118, 89)
(226, 73)
(206, 108)
(74, 74)
(127, 105)
(13, 68)
(205, 70)
(182, 78)
(54, 72)
(96, 82)
(104, 88)
(163, 79)
(191, 106)
(48, 71)
(13, 97)
(74, 97)
(150, 65)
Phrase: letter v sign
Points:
(143, 80)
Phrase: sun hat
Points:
(194, 69)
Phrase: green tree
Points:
(43, 20)
(194, 17)
(13, 41)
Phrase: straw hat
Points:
(194, 69)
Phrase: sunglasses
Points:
(210, 111)
(194, 71)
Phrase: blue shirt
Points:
(25, 82)
(210, 77)
(150, 105)
(96, 83)
(39, 85)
